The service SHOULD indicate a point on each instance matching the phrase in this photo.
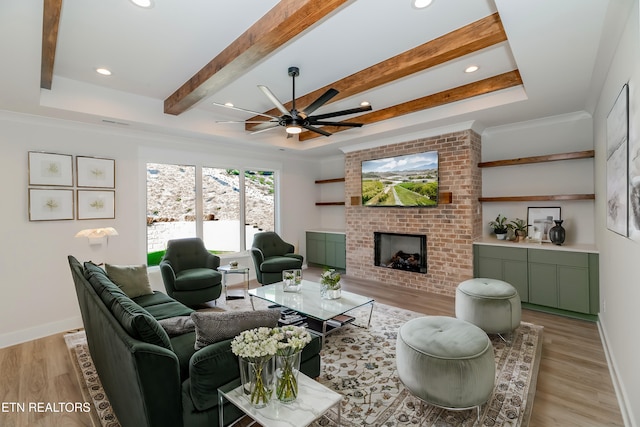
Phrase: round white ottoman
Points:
(446, 362)
(493, 305)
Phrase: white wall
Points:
(619, 256)
(38, 293)
(559, 134)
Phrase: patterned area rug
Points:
(360, 364)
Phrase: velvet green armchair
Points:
(271, 255)
(189, 272)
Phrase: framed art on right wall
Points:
(617, 164)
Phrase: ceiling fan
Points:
(295, 120)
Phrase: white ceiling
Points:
(152, 52)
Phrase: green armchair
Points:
(271, 255)
(189, 272)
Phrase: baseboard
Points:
(618, 386)
(40, 331)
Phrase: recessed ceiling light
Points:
(421, 4)
(471, 69)
(143, 3)
(103, 71)
(364, 103)
(228, 104)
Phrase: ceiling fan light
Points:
(293, 129)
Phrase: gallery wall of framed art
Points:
(60, 189)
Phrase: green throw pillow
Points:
(212, 326)
(132, 279)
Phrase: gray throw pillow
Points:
(212, 326)
(178, 325)
(132, 279)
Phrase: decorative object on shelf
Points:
(617, 164)
(541, 219)
(520, 227)
(50, 204)
(292, 280)
(255, 349)
(557, 233)
(330, 287)
(500, 227)
(95, 172)
(50, 169)
(291, 341)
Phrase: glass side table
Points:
(313, 401)
(227, 269)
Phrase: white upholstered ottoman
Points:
(493, 305)
(446, 362)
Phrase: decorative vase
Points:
(287, 369)
(292, 280)
(330, 291)
(557, 233)
(257, 380)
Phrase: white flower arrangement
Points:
(330, 278)
(255, 345)
(291, 339)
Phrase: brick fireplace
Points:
(450, 228)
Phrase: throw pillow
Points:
(178, 325)
(212, 326)
(132, 279)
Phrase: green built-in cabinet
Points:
(327, 249)
(559, 281)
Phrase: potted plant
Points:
(520, 226)
(500, 226)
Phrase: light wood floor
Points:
(574, 386)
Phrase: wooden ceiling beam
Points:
(492, 84)
(50, 24)
(478, 35)
(285, 21)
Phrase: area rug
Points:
(359, 363)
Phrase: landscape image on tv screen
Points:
(410, 180)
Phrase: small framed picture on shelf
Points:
(541, 220)
(95, 172)
(50, 169)
(96, 204)
(50, 205)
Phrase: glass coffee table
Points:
(324, 316)
(313, 401)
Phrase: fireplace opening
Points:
(401, 251)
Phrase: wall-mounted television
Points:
(410, 180)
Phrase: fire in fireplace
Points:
(401, 251)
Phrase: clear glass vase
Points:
(257, 380)
(292, 280)
(330, 291)
(287, 369)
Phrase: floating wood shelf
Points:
(539, 159)
(538, 198)
(328, 181)
(329, 203)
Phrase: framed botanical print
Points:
(95, 172)
(96, 204)
(50, 205)
(50, 169)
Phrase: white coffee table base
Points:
(313, 401)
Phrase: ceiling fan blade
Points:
(274, 100)
(247, 111)
(244, 121)
(316, 130)
(320, 101)
(351, 124)
(340, 113)
(260, 128)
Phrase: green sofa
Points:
(153, 380)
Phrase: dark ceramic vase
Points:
(557, 233)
